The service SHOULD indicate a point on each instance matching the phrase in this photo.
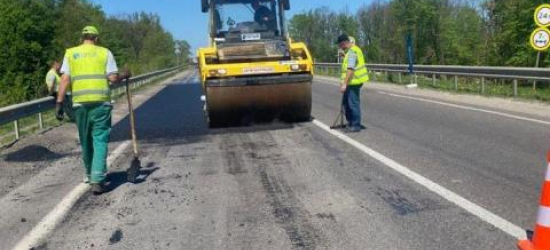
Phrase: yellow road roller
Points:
(252, 70)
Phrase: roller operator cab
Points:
(252, 69)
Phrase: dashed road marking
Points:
(480, 212)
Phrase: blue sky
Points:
(185, 20)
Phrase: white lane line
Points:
(482, 213)
(187, 77)
(456, 106)
(468, 108)
(38, 235)
(47, 225)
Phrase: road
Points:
(282, 186)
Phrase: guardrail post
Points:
(515, 87)
(483, 85)
(385, 76)
(456, 83)
(433, 80)
(16, 127)
(400, 78)
(40, 121)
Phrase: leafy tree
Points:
(457, 32)
(35, 32)
(25, 47)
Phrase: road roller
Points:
(252, 70)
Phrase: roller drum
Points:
(239, 101)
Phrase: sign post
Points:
(540, 38)
(410, 59)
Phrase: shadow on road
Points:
(175, 116)
(33, 153)
(172, 114)
(119, 178)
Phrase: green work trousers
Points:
(94, 129)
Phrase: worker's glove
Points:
(59, 113)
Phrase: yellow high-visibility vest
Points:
(57, 81)
(88, 69)
(361, 74)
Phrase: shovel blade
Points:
(133, 172)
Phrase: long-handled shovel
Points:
(340, 118)
(132, 172)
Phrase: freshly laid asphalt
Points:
(284, 186)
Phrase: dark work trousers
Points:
(68, 107)
(352, 105)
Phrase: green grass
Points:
(493, 87)
(28, 125)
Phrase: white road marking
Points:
(460, 106)
(482, 213)
(468, 108)
(188, 77)
(47, 225)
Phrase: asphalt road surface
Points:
(283, 186)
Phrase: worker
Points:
(89, 69)
(53, 79)
(352, 40)
(354, 75)
(341, 52)
(264, 16)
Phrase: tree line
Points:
(33, 33)
(445, 32)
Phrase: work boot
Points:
(353, 130)
(98, 188)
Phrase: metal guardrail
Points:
(481, 72)
(16, 112)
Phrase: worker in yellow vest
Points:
(354, 75)
(53, 80)
(89, 69)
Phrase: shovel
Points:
(133, 172)
(340, 118)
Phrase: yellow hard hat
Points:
(90, 30)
